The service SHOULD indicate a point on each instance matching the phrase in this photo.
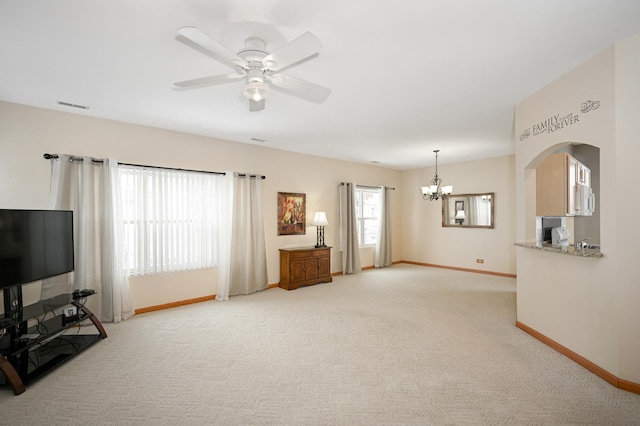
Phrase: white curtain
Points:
(116, 300)
(224, 208)
(91, 190)
(248, 271)
(383, 242)
(349, 230)
(479, 211)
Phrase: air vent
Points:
(69, 104)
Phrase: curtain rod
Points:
(97, 160)
(367, 186)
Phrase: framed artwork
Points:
(459, 205)
(292, 213)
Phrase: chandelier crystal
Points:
(435, 191)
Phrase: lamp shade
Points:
(460, 214)
(428, 190)
(320, 219)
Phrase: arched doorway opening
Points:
(567, 188)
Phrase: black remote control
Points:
(77, 294)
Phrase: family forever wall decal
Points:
(558, 122)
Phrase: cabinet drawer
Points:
(308, 253)
(299, 254)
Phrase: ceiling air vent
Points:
(69, 104)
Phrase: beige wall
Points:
(426, 241)
(26, 133)
(627, 92)
(586, 304)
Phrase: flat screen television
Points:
(34, 244)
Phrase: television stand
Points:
(43, 335)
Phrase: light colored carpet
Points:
(406, 345)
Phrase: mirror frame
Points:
(493, 209)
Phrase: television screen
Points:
(34, 244)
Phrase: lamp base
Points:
(320, 242)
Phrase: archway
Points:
(582, 224)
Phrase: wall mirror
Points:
(469, 210)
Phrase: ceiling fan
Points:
(258, 67)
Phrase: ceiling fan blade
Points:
(212, 79)
(301, 88)
(256, 105)
(206, 42)
(296, 50)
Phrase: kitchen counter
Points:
(562, 249)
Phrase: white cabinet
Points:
(585, 198)
(572, 180)
(584, 175)
(563, 187)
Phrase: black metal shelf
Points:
(30, 351)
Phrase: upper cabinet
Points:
(563, 187)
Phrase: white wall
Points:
(424, 238)
(586, 305)
(26, 133)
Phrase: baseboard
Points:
(364, 268)
(183, 302)
(579, 359)
(629, 386)
(174, 304)
(455, 268)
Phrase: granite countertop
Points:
(562, 249)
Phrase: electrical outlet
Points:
(479, 260)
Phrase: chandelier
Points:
(435, 191)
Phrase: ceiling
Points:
(407, 77)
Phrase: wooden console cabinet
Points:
(304, 266)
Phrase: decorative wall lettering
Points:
(559, 122)
(589, 105)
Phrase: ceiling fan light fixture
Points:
(259, 67)
(256, 91)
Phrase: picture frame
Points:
(292, 213)
(459, 206)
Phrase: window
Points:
(367, 213)
(170, 220)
